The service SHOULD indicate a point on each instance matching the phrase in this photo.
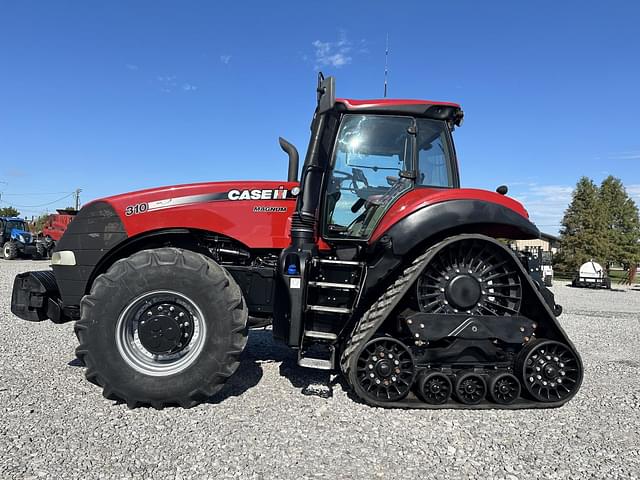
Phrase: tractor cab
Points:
(9, 224)
(376, 158)
(363, 155)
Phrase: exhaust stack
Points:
(293, 159)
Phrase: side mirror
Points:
(502, 189)
(326, 93)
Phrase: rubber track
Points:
(380, 310)
(375, 316)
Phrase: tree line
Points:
(602, 224)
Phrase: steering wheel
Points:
(359, 176)
(342, 176)
(355, 177)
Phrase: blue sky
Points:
(116, 96)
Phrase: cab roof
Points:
(420, 108)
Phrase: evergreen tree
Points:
(623, 232)
(9, 212)
(583, 233)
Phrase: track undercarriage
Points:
(464, 326)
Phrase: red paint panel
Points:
(421, 197)
(386, 102)
(233, 218)
(56, 225)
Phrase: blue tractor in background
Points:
(15, 239)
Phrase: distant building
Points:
(549, 243)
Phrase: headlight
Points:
(65, 257)
(21, 238)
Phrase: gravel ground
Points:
(54, 424)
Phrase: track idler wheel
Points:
(550, 371)
(434, 387)
(385, 370)
(470, 388)
(504, 388)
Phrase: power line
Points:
(33, 194)
(42, 205)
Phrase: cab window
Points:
(365, 177)
(434, 156)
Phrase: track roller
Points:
(504, 388)
(470, 388)
(385, 370)
(434, 387)
(550, 371)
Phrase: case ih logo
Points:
(277, 194)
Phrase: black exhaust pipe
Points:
(293, 159)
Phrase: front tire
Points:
(10, 251)
(162, 327)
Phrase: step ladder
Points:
(317, 350)
(333, 288)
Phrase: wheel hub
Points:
(160, 334)
(165, 327)
(463, 292)
(551, 371)
(469, 387)
(384, 368)
(504, 387)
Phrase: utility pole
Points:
(77, 194)
(2, 183)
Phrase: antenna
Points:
(386, 70)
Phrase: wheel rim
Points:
(385, 370)
(435, 388)
(505, 389)
(160, 333)
(470, 276)
(551, 371)
(471, 388)
(7, 250)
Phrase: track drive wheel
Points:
(434, 388)
(504, 388)
(470, 388)
(385, 371)
(162, 327)
(470, 276)
(550, 371)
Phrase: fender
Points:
(464, 216)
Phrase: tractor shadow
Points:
(262, 348)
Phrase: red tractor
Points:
(54, 228)
(376, 264)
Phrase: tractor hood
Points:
(21, 236)
(254, 213)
